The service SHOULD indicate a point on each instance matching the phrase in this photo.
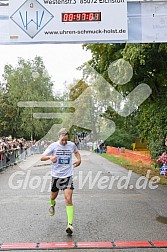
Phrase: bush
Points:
(120, 139)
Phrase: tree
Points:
(149, 62)
(29, 81)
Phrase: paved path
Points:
(104, 211)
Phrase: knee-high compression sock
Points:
(70, 214)
(52, 202)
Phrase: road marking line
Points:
(160, 243)
(94, 245)
(133, 244)
(83, 245)
(18, 246)
(43, 245)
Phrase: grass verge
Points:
(141, 168)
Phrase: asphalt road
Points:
(110, 205)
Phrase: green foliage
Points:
(120, 138)
(28, 81)
(77, 90)
(153, 126)
(149, 62)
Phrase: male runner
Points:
(60, 153)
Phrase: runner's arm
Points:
(47, 155)
(52, 158)
(78, 156)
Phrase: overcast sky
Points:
(61, 60)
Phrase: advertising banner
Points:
(68, 20)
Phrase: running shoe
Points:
(69, 229)
(52, 210)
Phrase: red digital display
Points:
(81, 17)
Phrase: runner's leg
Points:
(69, 209)
(53, 196)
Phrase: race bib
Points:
(64, 160)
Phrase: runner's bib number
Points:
(64, 160)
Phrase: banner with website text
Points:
(68, 20)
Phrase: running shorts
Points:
(61, 184)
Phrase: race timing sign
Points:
(68, 21)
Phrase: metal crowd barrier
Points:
(14, 156)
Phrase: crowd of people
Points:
(84, 141)
(9, 144)
(12, 150)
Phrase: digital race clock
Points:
(81, 17)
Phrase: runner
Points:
(60, 153)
